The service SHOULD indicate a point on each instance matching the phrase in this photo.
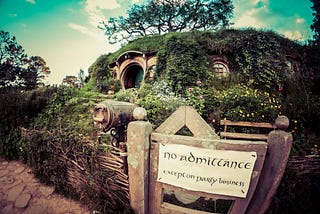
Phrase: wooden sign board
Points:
(223, 172)
(241, 202)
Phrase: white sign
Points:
(222, 172)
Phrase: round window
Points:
(220, 69)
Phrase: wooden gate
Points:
(149, 194)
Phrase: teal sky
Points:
(65, 33)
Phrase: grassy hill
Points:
(276, 75)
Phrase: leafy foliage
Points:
(158, 99)
(257, 60)
(17, 110)
(99, 69)
(297, 193)
(316, 21)
(159, 105)
(163, 16)
(16, 68)
(183, 62)
(52, 130)
(259, 63)
(241, 103)
(101, 77)
(257, 57)
(63, 145)
(69, 81)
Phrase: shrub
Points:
(243, 103)
(63, 150)
(18, 109)
(128, 95)
(195, 97)
(110, 84)
(159, 101)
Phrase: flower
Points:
(198, 82)
(190, 89)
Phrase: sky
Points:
(65, 34)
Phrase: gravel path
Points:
(21, 192)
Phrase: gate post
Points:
(279, 146)
(138, 144)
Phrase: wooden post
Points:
(279, 145)
(138, 145)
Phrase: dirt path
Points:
(21, 192)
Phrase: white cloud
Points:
(272, 14)
(294, 35)
(94, 9)
(23, 25)
(251, 17)
(93, 5)
(31, 1)
(82, 29)
(256, 2)
(135, 1)
(248, 13)
(247, 19)
(300, 20)
(92, 32)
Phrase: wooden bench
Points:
(236, 135)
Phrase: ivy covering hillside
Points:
(258, 57)
(258, 61)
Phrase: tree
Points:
(316, 21)
(70, 81)
(163, 16)
(12, 58)
(315, 26)
(313, 50)
(35, 73)
(16, 68)
(81, 78)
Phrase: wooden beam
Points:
(198, 126)
(247, 124)
(173, 123)
(236, 135)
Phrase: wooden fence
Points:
(146, 191)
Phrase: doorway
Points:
(133, 76)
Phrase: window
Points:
(220, 69)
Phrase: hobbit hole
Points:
(133, 68)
